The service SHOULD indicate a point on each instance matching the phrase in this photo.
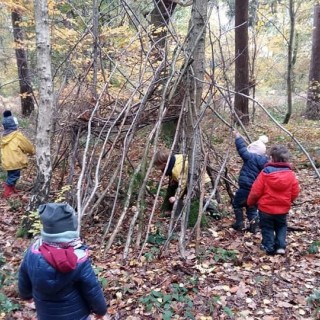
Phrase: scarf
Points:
(60, 255)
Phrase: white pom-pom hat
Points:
(258, 146)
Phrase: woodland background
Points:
(99, 86)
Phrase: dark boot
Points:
(8, 190)
(254, 225)
(238, 225)
(212, 210)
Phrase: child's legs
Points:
(12, 177)
(267, 227)
(252, 213)
(240, 199)
(281, 230)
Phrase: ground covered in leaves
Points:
(229, 278)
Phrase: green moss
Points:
(193, 215)
(22, 233)
(168, 131)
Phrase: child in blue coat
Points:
(254, 158)
(56, 271)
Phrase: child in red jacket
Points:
(274, 190)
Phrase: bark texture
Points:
(241, 60)
(313, 102)
(44, 125)
(27, 105)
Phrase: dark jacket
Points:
(252, 164)
(60, 296)
(275, 189)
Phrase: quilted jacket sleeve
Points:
(91, 290)
(242, 148)
(256, 191)
(24, 282)
(25, 145)
(295, 189)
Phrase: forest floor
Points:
(229, 278)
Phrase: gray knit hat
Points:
(59, 220)
(7, 113)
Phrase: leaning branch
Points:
(282, 128)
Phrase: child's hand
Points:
(172, 199)
(236, 134)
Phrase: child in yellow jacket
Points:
(177, 171)
(14, 149)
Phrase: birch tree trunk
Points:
(44, 125)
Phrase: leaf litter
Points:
(210, 285)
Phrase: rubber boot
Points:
(213, 210)
(8, 190)
(254, 225)
(238, 225)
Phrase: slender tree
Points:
(241, 60)
(192, 102)
(27, 105)
(44, 125)
(290, 62)
(313, 102)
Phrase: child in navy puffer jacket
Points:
(254, 158)
(56, 271)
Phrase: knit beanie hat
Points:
(7, 113)
(9, 123)
(60, 222)
(259, 146)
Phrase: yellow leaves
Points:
(204, 268)
(265, 267)
(159, 30)
(67, 35)
(25, 95)
(248, 266)
(119, 36)
(19, 5)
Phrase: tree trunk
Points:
(290, 62)
(27, 105)
(192, 102)
(160, 17)
(241, 60)
(44, 126)
(313, 102)
(253, 55)
(95, 53)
